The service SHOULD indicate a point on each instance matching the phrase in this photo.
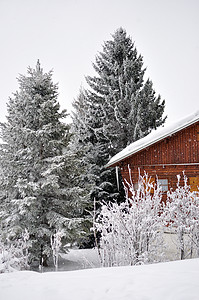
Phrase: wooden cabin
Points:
(163, 154)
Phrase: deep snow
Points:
(178, 280)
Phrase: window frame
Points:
(164, 184)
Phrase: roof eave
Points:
(111, 163)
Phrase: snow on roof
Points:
(154, 137)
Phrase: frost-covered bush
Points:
(181, 215)
(14, 255)
(56, 245)
(131, 231)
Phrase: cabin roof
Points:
(154, 137)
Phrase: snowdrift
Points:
(177, 280)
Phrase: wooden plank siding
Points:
(166, 158)
(181, 147)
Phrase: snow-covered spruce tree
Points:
(131, 108)
(88, 120)
(97, 181)
(39, 172)
(131, 231)
(118, 108)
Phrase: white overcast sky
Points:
(67, 34)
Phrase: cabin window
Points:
(151, 181)
(194, 183)
(198, 133)
(164, 184)
(135, 186)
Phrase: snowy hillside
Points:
(177, 280)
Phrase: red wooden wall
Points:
(167, 158)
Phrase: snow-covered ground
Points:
(76, 260)
(178, 280)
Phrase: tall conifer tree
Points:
(118, 108)
(39, 172)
